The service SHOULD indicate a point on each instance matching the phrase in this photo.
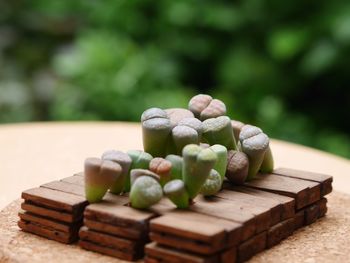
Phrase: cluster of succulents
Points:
(186, 152)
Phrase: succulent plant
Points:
(196, 167)
(175, 115)
(183, 135)
(212, 184)
(145, 192)
(194, 123)
(176, 165)
(124, 161)
(175, 190)
(136, 173)
(156, 129)
(100, 175)
(219, 131)
(236, 126)
(205, 107)
(221, 163)
(237, 167)
(267, 165)
(140, 160)
(162, 168)
(254, 144)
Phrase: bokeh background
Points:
(281, 65)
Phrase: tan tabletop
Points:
(36, 153)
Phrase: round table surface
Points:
(36, 153)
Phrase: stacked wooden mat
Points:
(232, 226)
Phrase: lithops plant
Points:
(175, 115)
(183, 135)
(162, 168)
(176, 166)
(212, 185)
(204, 107)
(136, 173)
(219, 131)
(194, 123)
(156, 129)
(99, 175)
(140, 160)
(196, 167)
(237, 167)
(236, 126)
(124, 161)
(175, 190)
(267, 165)
(221, 163)
(145, 192)
(254, 144)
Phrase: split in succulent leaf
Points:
(145, 192)
(153, 113)
(162, 168)
(196, 167)
(124, 161)
(204, 107)
(175, 115)
(136, 173)
(254, 143)
(175, 190)
(100, 175)
(194, 123)
(219, 131)
(183, 135)
(237, 167)
(156, 134)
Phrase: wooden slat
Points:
(65, 187)
(224, 209)
(287, 203)
(45, 222)
(311, 213)
(279, 232)
(323, 179)
(57, 200)
(251, 247)
(188, 228)
(304, 192)
(118, 214)
(185, 244)
(229, 255)
(256, 205)
(299, 219)
(75, 179)
(108, 251)
(47, 232)
(323, 207)
(108, 240)
(120, 231)
(164, 254)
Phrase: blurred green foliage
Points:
(280, 65)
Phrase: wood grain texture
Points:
(57, 200)
(304, 192)
(46, 232)
(113, 252)
(323, 179)
(109, 240)
(163, 254)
